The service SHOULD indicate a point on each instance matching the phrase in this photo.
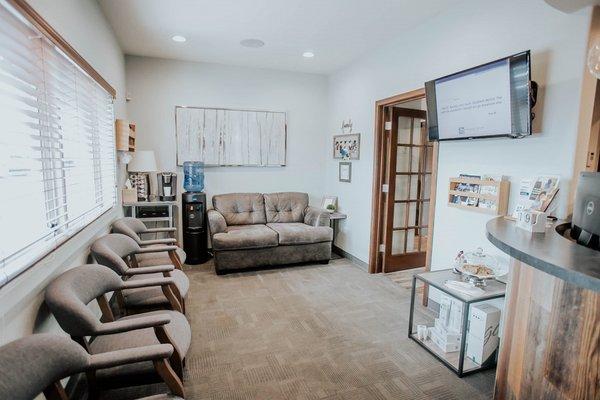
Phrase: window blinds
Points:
(57, 150)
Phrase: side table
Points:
(455, 360)
(334, 219)
(135, 206)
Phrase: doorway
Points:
(403, 185)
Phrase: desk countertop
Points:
(550, 252)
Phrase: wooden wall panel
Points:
(223, 137)
(550, 346)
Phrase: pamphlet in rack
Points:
(537, 193)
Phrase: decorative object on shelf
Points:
(329, 203)
(193, 176)
(139, 168)
(532, 220)
(485, 194)
(478, 266)
(346, 147)
(345, 172)
(167, 186)
(347, 126)
(227, 137)
(125, 135)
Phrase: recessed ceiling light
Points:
(178, 38)
(253, 43)
(308, 54)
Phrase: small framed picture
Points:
(345, 171)
(346, 147)
(329, 203)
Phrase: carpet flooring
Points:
(311, 332)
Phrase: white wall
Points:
(156, 86)
(83, 25)
(469, 34)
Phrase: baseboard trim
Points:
(343, 253)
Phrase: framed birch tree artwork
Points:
(228, 137)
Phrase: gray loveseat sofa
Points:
(259, 230)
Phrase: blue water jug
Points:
(193, 176)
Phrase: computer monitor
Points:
(586, 210)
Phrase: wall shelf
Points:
(486, 196)
(125, 135)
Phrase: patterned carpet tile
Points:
(310, 333)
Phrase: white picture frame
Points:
(327, 200)
(345, 172)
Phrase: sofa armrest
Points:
(216, 222)
(314, 216)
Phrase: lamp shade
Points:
(143, 161)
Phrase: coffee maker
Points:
(167, 186)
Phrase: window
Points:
(57, 150)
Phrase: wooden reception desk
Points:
(550, 346)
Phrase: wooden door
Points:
(408, 176)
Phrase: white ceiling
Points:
(337, 31)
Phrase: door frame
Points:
(379, 199)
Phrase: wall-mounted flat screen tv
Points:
(489, 100)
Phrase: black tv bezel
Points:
(527, 54)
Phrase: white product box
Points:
(478, 350)
(444, 333)
(484, 322)
(447, 347)
(451, 313)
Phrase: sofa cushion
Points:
(285, 206)
(300, 233)
(241, 208)
(245, 237)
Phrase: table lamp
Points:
(139, 167)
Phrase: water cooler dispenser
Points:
(195, 229)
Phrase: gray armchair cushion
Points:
(110, 250)
(162, 258)
(285, 206)
(245, 237)
(178, 330)
(68, 295)
(150, 297)
(30, 364)
(316, 217)
(216, 222)
(241, 208)
(300, 233)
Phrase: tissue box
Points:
(129, 195)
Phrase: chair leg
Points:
(176, 359)
(55, 392)
(163, 368)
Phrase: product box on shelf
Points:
(442, 343)
(444, 333)
(482, 338)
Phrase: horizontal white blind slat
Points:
(57, 150)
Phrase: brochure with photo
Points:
(537, 193)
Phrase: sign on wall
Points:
(226, 137)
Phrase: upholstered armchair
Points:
(36, 364)
(119, 252)
(68, 298)
(134, 228)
